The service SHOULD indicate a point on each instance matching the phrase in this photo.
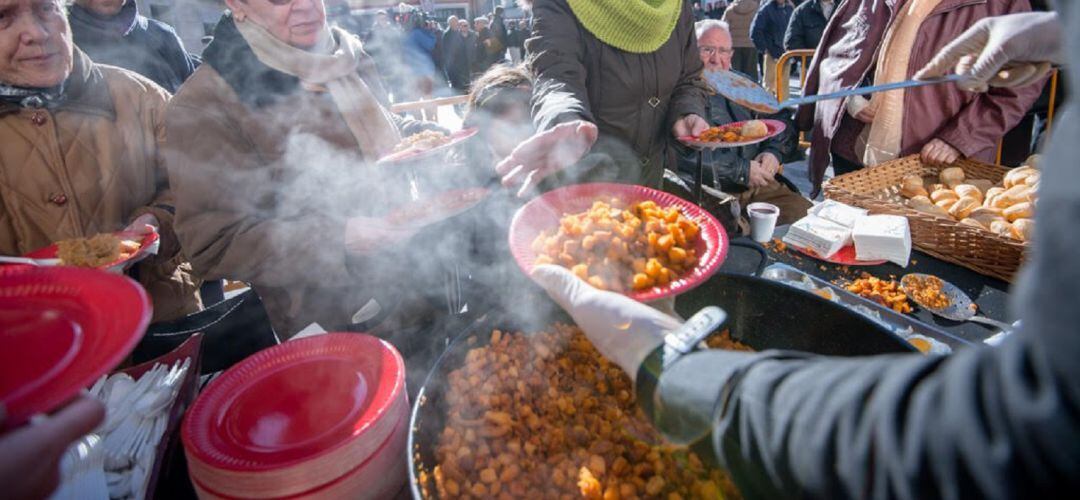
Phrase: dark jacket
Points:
(146, 46)
(265, 174)
(807, 24)
(770, 24)
(969, 122)
(634, 99)
(728, 169)
(455, 59)
(739, 16)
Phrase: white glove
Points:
(623, 330)
(1003, 51)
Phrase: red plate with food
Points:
(438, 207)
(299, 414)
(844, 257)
(641, 242)
(60, 329)
(106, 251)
(426, 143)
(735, 135)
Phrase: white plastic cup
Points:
(763, 218)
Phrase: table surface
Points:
(990, 294)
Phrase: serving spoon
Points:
(749, 94)
(960, 307)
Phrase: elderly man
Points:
(752, 171)
(113, 32)
(80, 150)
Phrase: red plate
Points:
(544, 212)
(146, 243)
(844, 257)
(298, 415)
(60, 329)
(381, 476)
(415, 154)
(775, 127)
(438, 207)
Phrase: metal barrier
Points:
(805, 55)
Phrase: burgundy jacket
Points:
(970, 122)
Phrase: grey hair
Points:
(706, 25)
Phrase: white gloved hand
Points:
(1003, 51)
(623, 330)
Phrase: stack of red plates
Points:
(320, 417)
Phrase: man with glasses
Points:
(751, 172)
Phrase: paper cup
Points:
(763, 218)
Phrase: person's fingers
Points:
(560, 284)
(74, 421)
(971, 42)
(987, 64)
(531, 180)
(514, 176)
(699, 126)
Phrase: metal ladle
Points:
(960, 307)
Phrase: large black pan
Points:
(761, 313)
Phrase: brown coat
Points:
(634, 99)
(91, 166)
(970, 122)
(739, 16)
(266, 174)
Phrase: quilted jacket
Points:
(89, 166)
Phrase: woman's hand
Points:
(143, 224)
(689, 126)
(546, 153)
(939, 152)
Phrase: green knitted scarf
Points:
(639, 26)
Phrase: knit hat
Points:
(638, 26)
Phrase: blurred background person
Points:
(515, 40)
(455, 56)
(767, 31)
(739, 16)
(752, 173)
(807, 24)
(942, 123)
(500, 33)
(418, 61)
(81, 153)
(113, 32)
(384, 44)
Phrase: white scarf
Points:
(336, 70)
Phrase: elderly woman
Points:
(80, 150)
(272, 143)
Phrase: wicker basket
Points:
(877, 189)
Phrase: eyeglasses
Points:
(709, 51)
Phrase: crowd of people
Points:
(256, 162)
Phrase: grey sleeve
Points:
(984, 422)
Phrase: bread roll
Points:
(911, 193)
(992, 193)
(952, 176)
(963, 207)
(973, 223)
(1005, 229)
(983, 184)
(1020, 211)
(1025, 227)
(923, 204)
(1017, 176)
(943, 194)
(1032, 161)
(754, 129)
(969, 191)
(985, 218)
(912, 186)
(946, 204)
(987, 211)
(1012, 196)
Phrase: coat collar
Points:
(122, 24)
(86, 90)
(257, 84)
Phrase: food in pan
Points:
(926, 291)
(620, 247)
(96, 251)
(885, 292)
(425, 140)
(545, 416)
